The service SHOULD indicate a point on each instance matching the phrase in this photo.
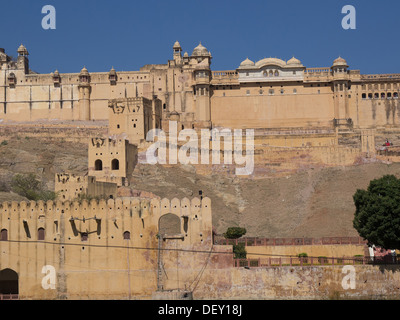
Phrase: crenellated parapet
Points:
(97, 221)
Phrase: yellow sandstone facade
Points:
(125, 248)
(269, 93)
(101, 249)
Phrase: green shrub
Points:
(234, 232)
(322, 259)
(239, 251)
(304, 256)
(28, 186)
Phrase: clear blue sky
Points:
(129, 34)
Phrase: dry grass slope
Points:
(313, 203)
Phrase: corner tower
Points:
(177, 53)
(22, 60)
(341, 86)
(201, 59)
(84, 94)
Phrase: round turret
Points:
(84, 72)
(22, 51)
(176, 45)
(340, 62)
(84, 77)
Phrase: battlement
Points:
(141, 217)
(141, 206)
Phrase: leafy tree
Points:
(25, 185)
(377, 216)
(28, 186)
(239, 250)
(234, 232)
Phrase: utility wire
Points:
(150, 248)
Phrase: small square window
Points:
(84, 236)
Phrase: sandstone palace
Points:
(131, 245)
(269, 93)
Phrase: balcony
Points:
(225, 77)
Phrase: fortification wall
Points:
(88, 245)
(78, 131)
(322, 282)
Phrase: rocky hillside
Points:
(313, 203)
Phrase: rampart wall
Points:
(99, 249)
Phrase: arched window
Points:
(115, 164)
(276, 73)
(127, 235)
(41, 234)
(98, 165)
(4, 235)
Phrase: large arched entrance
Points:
(8, 284)
(169, 224)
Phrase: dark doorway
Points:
(8, 282)
(41, 234)
(98, 165)
(4, 235)
(115, 164)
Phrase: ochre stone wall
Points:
(322, 282)
(88, 246)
